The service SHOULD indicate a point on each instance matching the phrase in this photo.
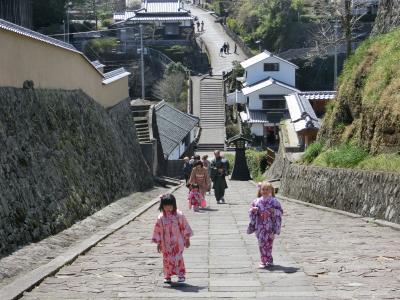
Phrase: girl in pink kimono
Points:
(265, 220)
(171, 234)
(196, 198)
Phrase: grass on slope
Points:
(374, 69)
(349, 156)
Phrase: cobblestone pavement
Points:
(319, 255)
(214, 37)
(31, 256)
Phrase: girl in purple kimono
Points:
(265, 220)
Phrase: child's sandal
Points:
(167, 280)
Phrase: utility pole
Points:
(68, 22)
(335, 56)
(69, 4)
(142, 60)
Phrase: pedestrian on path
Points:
(235, 49)
(195, 198)
(200, 176)
(207, 165)
(187, 169)
(226, 163)
(221, 51)
(218, 173)
(172, 233)
(198, 26)
(202, 26)
(227, 47)
(265, 220)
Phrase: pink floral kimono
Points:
(170, 232)
(196, 200)
(266, 222)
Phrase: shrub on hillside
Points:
(103, 45)
(344, 156)
(232, 130)
(312, 152)
(257, 162)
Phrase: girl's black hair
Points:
(168, 199)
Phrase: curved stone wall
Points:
(62, 157)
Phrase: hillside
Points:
(62, 157)
(367, 109)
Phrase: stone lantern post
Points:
(240, 169)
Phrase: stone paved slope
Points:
(208, 102)
(34, 255)
(319, 255)
(214, 37)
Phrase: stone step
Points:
(210, 147)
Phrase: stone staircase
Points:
(141, 120)
(212, 114)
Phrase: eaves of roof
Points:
(262, 56)
(265, 83)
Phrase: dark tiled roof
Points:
(262, 116)
(318, 95)
(173, 126)
(35, 35)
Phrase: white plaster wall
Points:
(193, 134)
(174, 154)
(254, 98)
(286, 73)
(182, 149)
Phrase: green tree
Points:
(47, 13)
(264, 20)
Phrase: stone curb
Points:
(15, 289)
(379, 222)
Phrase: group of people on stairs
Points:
(202, 172)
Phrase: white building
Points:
(265, 65)
(268, 80)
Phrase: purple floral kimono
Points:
(266, 222)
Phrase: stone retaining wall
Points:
(62, 158)
(371, 194)
(367, 193)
